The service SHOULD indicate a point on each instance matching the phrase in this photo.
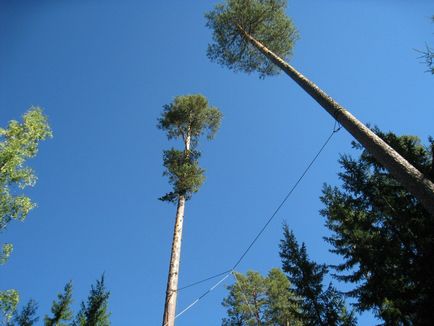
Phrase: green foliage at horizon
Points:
(383, 234)
(187, 117)
(319, 306)
(95, 311)
(265, 20)
(27, 317)
(92, 313)
(61, 309)
(254, 299)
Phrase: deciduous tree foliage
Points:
(186, 118)
(61, 309)
(18, 143)
(384, 235)
(319, 306)
(257, 300)
(8, 302)
(256, 35)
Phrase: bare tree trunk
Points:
(410, 177)
(172, 280)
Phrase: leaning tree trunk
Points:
(172, 280)
(410, 177)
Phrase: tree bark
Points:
(410, 177)
(172, 280)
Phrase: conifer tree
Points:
(256, 35)
(384, 235)
(186, 118)
(27, 317)
(61, 309)
(257, 300)
(428, 55)
(95, 311)
(319, 306)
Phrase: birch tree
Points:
(18, 143)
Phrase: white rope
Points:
(242, 292)
(203, 295)
(336, 128)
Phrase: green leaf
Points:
(8, 304)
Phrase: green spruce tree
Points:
(428, 55)
(384, 235)
(18, 143)
(95, 311)
(61, 309)
(319, 306)
(27, 317)
(256, 35)
(186, 118)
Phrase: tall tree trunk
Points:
(410, 177)
(172, 280)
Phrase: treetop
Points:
(190, 116)
(264, 20)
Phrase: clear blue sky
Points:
(102, 71)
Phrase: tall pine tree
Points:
(187, 118)
(256, 35)
(257, 300)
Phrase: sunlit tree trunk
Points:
(172, 281)
(410, 177)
